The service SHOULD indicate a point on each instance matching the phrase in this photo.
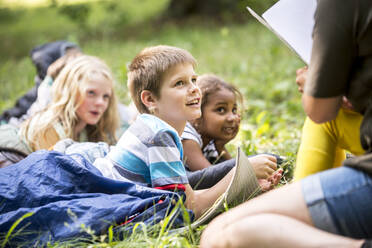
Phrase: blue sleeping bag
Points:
(63, 192)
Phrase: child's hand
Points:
(271, 181)
(264, 165)
(301, 75)
(275, 177)
(265, 185)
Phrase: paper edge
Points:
(267, 25)
(213, 211)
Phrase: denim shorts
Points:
(340, 201)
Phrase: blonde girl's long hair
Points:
(68, 94)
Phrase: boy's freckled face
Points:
(180, 98)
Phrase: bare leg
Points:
(273, 230)
(286, 200)
(260, 221)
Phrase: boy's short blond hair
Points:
(148, 67)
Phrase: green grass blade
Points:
(15, 224)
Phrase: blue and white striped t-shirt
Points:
(149, 152)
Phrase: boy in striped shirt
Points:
(162, 83)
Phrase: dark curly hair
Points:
(210, 84)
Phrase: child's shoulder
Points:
(155, 124)
(150, 130)
(190, 133)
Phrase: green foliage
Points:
(258, 5)
(76, 12)
(217, 10)
(32, 27)
(23, 28)
(141, 236)
(246, 54)
(7, 15)
(16, 77)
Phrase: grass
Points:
(246, 55)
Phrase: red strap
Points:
(136, 214)
(172, 187)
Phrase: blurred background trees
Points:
(221, 35)
(22, 26)
(222, 10)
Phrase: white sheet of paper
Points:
(292, 21)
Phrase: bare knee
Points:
(250, 231)
(287, 200)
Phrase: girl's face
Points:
(96, 100)
(220, 117)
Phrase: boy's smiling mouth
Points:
(195, 101)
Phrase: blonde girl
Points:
(83, 107)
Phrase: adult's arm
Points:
(332, 60)
(321, 110)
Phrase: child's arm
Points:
(264, 165)
(195, 159)
(201, 200)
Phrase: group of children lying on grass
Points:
(156, 150)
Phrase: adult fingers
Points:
(301, 70)
(300, 89)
